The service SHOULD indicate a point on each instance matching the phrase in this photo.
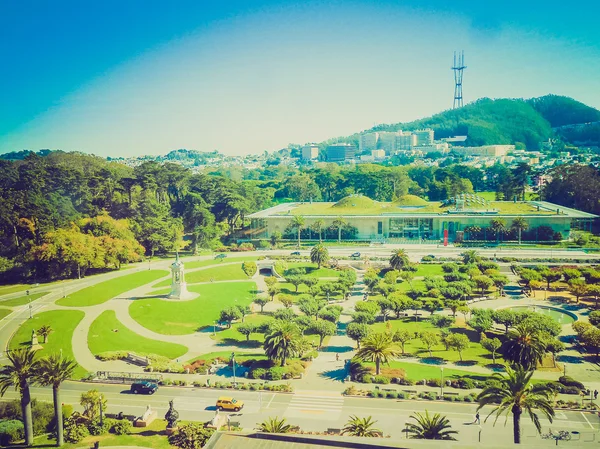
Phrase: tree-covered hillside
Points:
(561, 111)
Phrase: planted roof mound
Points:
(356, 201)
(410, 200)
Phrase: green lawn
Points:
(224, 273)
(289, 289)
(102, 292)
(429, 270)
(420, 371)
(8, 289)
(63, 323)
(239, 356)
(4, 312)
(406, 286)
(206, 263)
(107, 333)
(313, 271)
(233, 336)
(22, 300)
(475, 353)
(187, 317)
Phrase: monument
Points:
(146, 419)
(178, 285)
(172, 416)
(35, 345)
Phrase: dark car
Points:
(221, 256)
(295, 253)
(356, 254)
(144, 388)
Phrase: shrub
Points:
(351, 391)
(468, 398)
(122, 427)
(465, 383)
(448, 398)
(405, 381)
(96, 429)
(11, 430)
(434, 382)
(244, 387)
(366, 378)
(74, 432)
(570, 390)
(309, 356)
(570, 382)
(254, 386)
(381, 380)
(391, 395)
(191, 436)
(493, 383)
(257, 373)
(402, 395)
(427, 258)
(274, 374)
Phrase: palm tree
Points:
(54, 370)
(298, 223)
(524, 346)
(520, 225)
(436, 427)
(44, 331)
(516, 394)
(274, 425)
(399, 259)
(378, 347)
(361, 427)
(497, 225)
(18, 373)
(470, 257)
(282, 341)
(339, 223)
(319, 254)
(317, 227)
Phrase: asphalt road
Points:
(319, 410)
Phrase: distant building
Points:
(405, 141)
(387, 142)
(455, 140)
(424, 136)
(432, 147)
(378, 154)
(310, 152)
(486, 150)
(368, 142)
(340, 152)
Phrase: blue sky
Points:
(144, 77)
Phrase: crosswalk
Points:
(308, 403)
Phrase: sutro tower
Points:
(458, 67)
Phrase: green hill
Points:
(501, 121)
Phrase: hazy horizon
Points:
(140, 80)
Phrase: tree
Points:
(481, 323)
(361, 427)
(286, 300)
(505, 317)
(441, 321)
(454, 305)
(322, 328)
(199, 222)
(578, 289)
(432, 305)
(399, 259)
(464, 309)
(554, 346)
(271, 280)
(470, 257)
(338, 224)
(53, 371)
(429, 339)
(492, 345)
(247, 329)
(550, 276)
(378, 347)
(427, 427)
(191, 436)
(297, 223)
(229, 314)
(402, 336)
(416, 306)
(273, 290)
(244, 310)
(275, 238)
(21, 369)
(261, 301)
(520, 224)
(516, 393)
(249, 268)
(357, 332)
(498, 226)
(499, 281)
(524, 347)
(282, 341)
(310, 306)
(44, 331)
(459, 342)
(295, 280)
(591, 340)
(90, 401)
(399, 303)
(274, 425)
(317, 227)
(384, 306)
(483, 283)
(284, 314)
(319, 255)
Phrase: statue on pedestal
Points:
(172, 416)
(178, 284)
(35, 344)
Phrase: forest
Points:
(64, 214)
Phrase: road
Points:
(318, 411)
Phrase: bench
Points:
(137, 360)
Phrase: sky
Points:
(136, 77)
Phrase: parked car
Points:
(295, 253)
(229, 403)
(221, 256)
(356, 254)
(144, 388)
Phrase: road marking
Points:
(272, 397)
(329, 407)
(586, 420)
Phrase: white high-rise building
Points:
(387, 142)
(310, 152)
(424, 136)
(405, 141)
(368, 142)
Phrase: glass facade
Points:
(411, 228)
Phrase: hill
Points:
(502, 121)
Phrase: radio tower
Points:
(458, 67)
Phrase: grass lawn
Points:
(475, 353)
(4, 312)
(232, 336)
(429, 270)
(22, 300)
(187, 317)
(152, 436)
(102, 337)
(416, 285)
(313, 271)
(207, 263)
(225, 272)
(8, 289)
(420, 371)
(63, 322)
(289, 289)
(102, 292)
(239, 356)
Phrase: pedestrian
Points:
(337, 357)
(595, 394)
(228, 422)
(477, 420)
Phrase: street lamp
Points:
(215, 327)
(233, 365)
(30, 309)
(101, 420)
(442, 383)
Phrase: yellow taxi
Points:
(229, 403)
